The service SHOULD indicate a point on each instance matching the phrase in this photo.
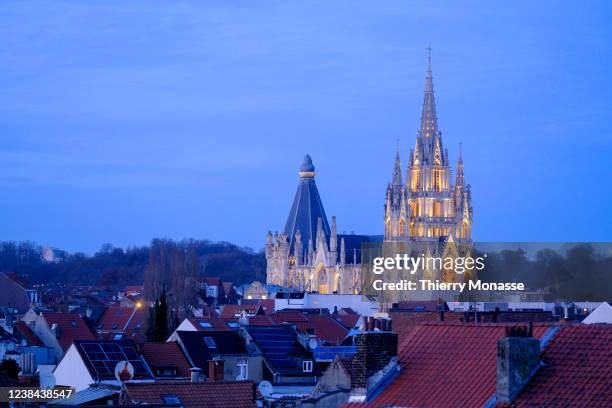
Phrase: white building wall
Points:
(44, 333)
(72, 372)
(185, 325)
(360, 304)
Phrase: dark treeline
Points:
(575, 272)
(115, 267)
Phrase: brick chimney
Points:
(374, 351)
(518, 357)
(215, 370)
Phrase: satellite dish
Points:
(265, 388)
(124, 371)
(313, 343)
(10, 347)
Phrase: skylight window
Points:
(210, 342)
(205, 325)
(171, 399)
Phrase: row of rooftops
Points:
(329, 327)
(576, 363)
(441, 364)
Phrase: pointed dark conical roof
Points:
(307, 208)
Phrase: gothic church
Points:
(428, 208)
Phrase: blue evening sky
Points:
(123, 121)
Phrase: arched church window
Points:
(323, 276)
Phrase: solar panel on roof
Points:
(130, 353)
(102, 358)
(110, 348)
(90, 347)
(279, 345)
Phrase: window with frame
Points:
(243, 369)
(307, 366)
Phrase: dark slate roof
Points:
(353, 242)
(220, 342)
(307, 208)
(280, 348)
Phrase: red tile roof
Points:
(290, 316)
(347, 310)
(577, 370)
(446, 365)
(222, 394)
(71, 327)
(266, 304)
(233, 311)
(167, 354)
(22, 329)
(227, 287)
(211, 280)
(347, 320)
(123, 319)
(261, 321)
(405, 321)
(116, 318)
(17, 279)
(134, 289)
(327, 329)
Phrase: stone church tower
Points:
(428, 207)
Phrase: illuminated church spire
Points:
(429, 120)
(397, 169)
(435, 206)
(395, 204)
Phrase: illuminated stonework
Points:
(309, 255)
(428, 207)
